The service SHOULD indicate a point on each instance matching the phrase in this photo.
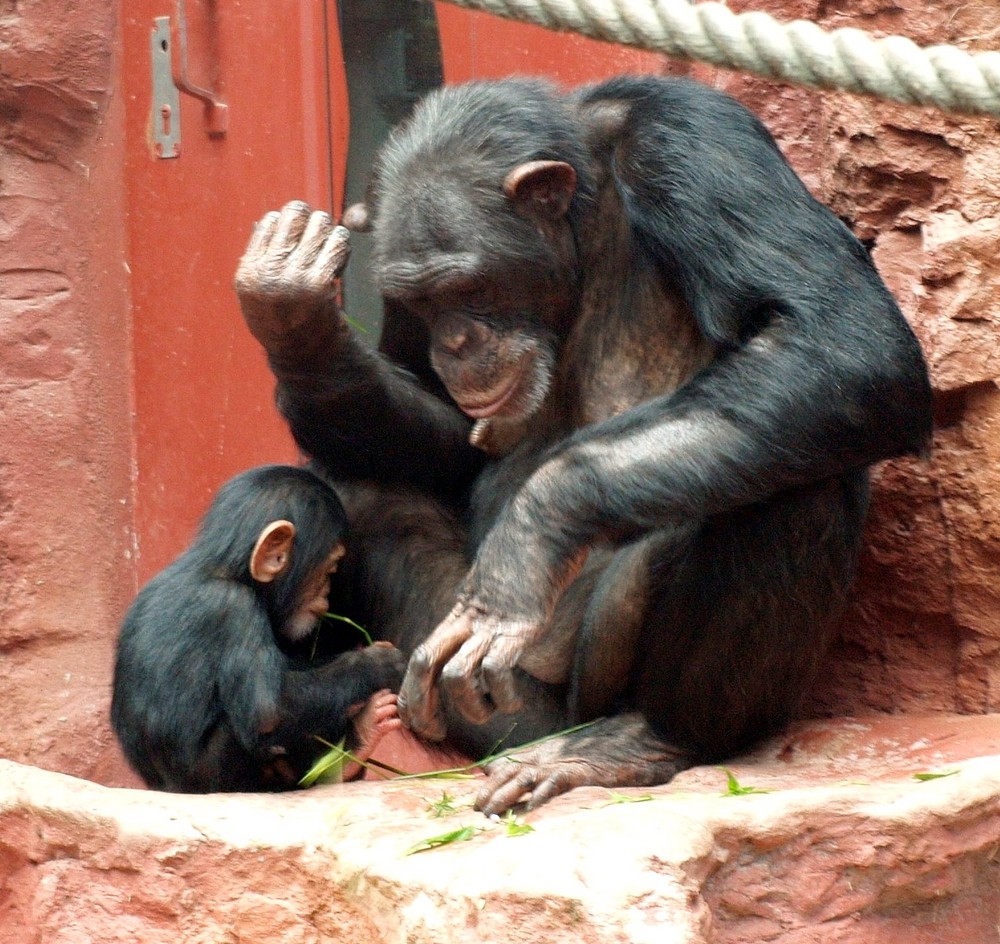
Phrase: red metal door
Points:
(481, 46)
(203, 393)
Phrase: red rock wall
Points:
(64, 383)
(921, 187)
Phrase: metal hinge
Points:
(166, 117)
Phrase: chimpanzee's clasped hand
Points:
(471, 655)
(287, 276)
(505, 607)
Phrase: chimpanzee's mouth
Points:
(493, 406)
(508, 400)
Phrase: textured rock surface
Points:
(65, 520)
(848, 847)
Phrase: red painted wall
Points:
(203, 393)
(481, 46)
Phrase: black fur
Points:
(723, 512)
(208, 694)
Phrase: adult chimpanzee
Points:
(633, 374)
(207, 695)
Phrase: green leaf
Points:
(329, 767)
(443, 807)
(923, 778)
(344, 619)
(465, 773)
(335, 758)
(515, 828)
(617, 798)
(734, 788)
(356, 325)
(456, 835)
(452, 773)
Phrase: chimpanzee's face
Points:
(314, 599)
(495, 290)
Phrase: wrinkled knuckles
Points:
(417, 706)
(511, 786)
(294, 213)
(336, 247)
(466, 694)
(552, 786)
(499, 681)
(430, 727)
(317, 230)
(473, 706)
(515, 782)
(421, 662)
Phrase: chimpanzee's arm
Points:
(316, 699)
(766, 418)
(776, 414)
(818, 373)
(361, 415)
(250, 665)
(268, 699)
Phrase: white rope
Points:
(801, 52)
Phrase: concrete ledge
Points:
(848, 847)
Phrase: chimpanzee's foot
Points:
(374, 720)
(621, 751)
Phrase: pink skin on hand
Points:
(379, 730)
(372, 720)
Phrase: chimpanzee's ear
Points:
(272, 553)
(541, 189)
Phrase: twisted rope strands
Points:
(801, 52)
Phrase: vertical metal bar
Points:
(166, 117)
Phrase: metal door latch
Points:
(166, 117)
(169, 81)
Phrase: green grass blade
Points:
(923, 778)
(735, 789)
(345, 619)
(435, 842)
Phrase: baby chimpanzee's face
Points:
(314, 600)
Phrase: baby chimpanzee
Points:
(208, 695)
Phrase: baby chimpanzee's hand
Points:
(386, 663)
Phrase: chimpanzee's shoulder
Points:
(659, 90)
(680, 105)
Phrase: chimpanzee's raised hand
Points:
(286, 280)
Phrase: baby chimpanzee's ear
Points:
(272, 553)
